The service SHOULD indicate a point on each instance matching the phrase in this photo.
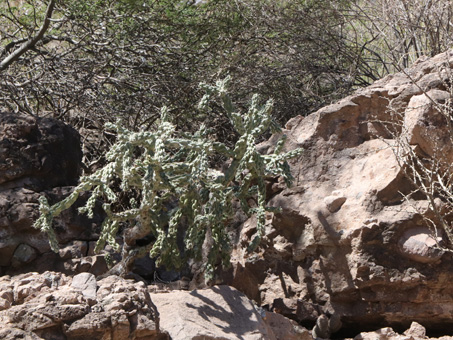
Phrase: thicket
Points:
(393, 34)
(99, 61)
(90, 62)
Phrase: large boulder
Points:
(40, 156)
(221, 312)
(346, 245)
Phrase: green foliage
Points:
(172, 188)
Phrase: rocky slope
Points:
(55, 306)
(345, 243)
(345, 255)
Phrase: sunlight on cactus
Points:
(171, 187)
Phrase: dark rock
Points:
(37, 153)
(23, 254)
(38, 156)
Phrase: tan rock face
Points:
(221, 312)
(54, 306)
(425, 125)
(216, 313)
(345, 241)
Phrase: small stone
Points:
(419, 244)
(86, 283)
(321, 329)
(334, 203)
(98, 265)
(23, 254)
(416, 331)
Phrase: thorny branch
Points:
(429, 172)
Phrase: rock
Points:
(220, 312)
(419, 244)
(73, 250)
(321, 329)
(423, 120)
(86, 283)
(9, 333)
(335, 201)
(284, 328)
(23, 254)
(54, 306)
(37, 153)
(345, 241)
(416, 331)
(38, 156)
(382, 334)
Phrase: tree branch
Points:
(30, 43)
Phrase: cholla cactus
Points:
(170, 185)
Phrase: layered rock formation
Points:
(345, 243)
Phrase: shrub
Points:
(171, 187)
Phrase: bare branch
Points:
(31, 42)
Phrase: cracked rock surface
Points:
(55, 306)
(345, 241)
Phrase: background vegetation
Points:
(95, 61)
